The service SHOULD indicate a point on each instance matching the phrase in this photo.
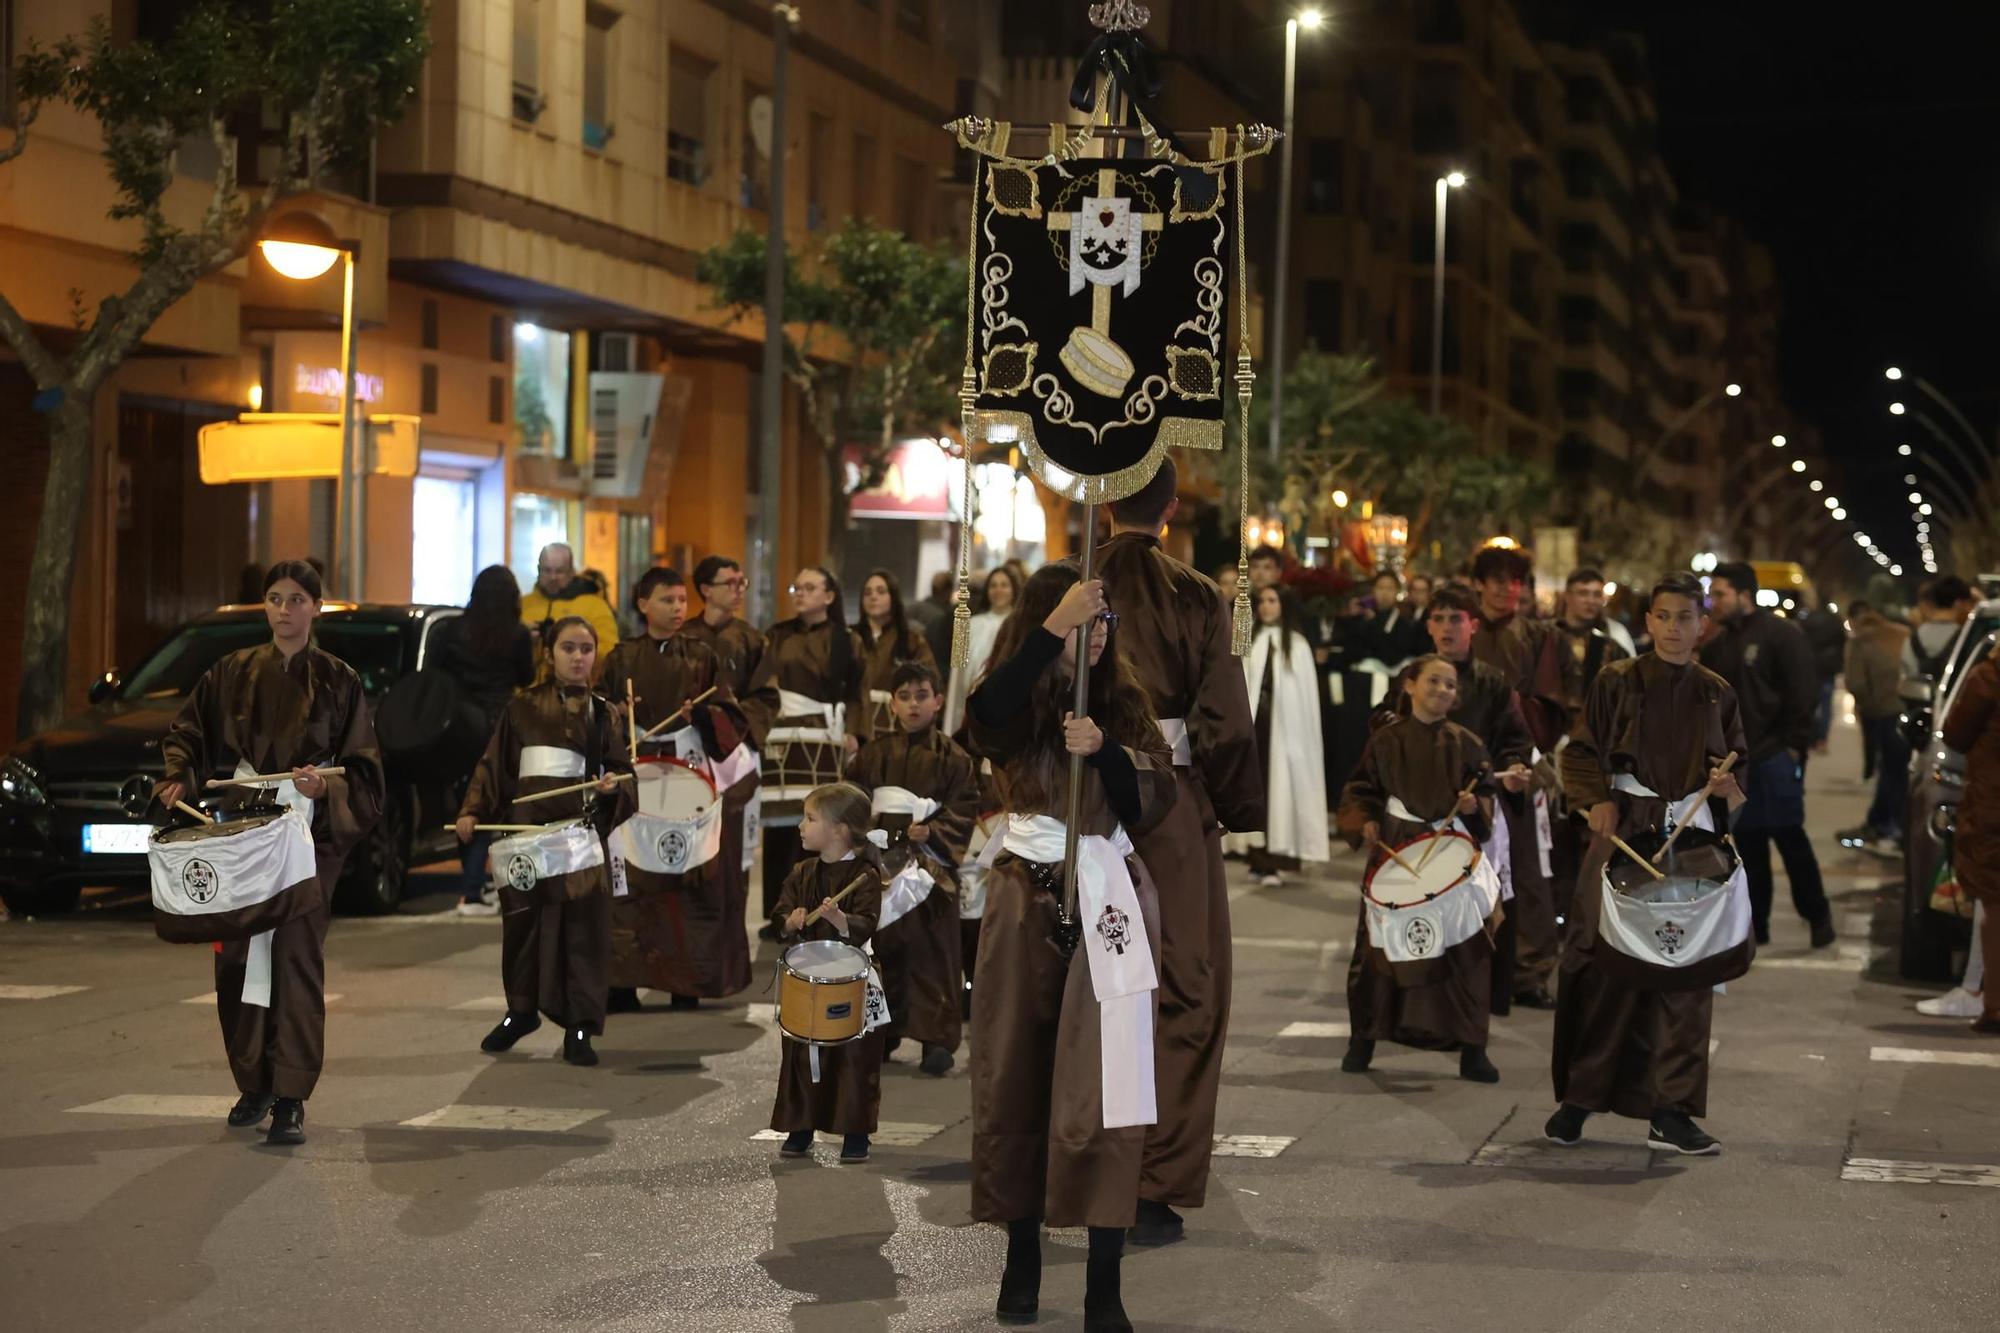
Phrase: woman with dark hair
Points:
(1062, 1047)
(490, 654)
(283, 707)
(886, 640)
(998, 594)
(812, 659)
(1284, 701)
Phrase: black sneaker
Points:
(288, 1123)
(853, 1149)
(1474, 1066)
(1676, 1131)
(250, 1109)
(685, 1002)
(1360, 1050)
(508, 1031)
(622, 1000)
(1156, 1224)
(1823, 933)
(937, 1061)
(1566, 1125)
(1858, 836)
(1538, 998)
(577, 1049)
(798, 1143)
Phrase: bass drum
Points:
(1687, 931)
(1423, 917)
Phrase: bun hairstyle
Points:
(847, 805)
(301, 572)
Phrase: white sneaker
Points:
(493, 909)
(1958, 1002)
(1272, 881)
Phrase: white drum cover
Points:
(679, 824)
(1679, 922)
(526, 859)
(211, 876)
(1410, 930)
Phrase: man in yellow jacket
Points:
(558, 593)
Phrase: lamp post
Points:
(301, 246)
(1280, 281)
(1446, 183)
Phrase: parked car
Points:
(74, 799)
(1937, 778)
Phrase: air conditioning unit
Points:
(617, 353)
(623, 408)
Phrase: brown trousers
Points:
(278, 1050)
(1184, 855)
(846, 1100)
(1039, 1146)
(555, 957)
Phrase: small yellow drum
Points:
(823, 992)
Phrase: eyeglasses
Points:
(736, 582)
(1110, 619)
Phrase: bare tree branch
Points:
(20, 140)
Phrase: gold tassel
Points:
(1246, 381)
(968, 395)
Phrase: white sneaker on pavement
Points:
(1958, 1002)
(493, 909)
(1272, 881)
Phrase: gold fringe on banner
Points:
(1246, 380)
(968, 395)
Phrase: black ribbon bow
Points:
(1133, 71)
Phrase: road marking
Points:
(1888, 1171)
(492, 1003)
(1714, 1045)
(519, 1119)
(1910, 1055)
(1251, 1145)
(1541, 1155)
(37, 992)
(1303, 1029)
(1291, 943)
(1813, 964)
(888, 1134)
(209, 998)
(132, 1103)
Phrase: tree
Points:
(874, 342)
(332, 69)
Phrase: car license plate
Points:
(116, 839)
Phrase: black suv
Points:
(74, 799)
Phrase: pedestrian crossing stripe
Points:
(1909, 1055)
(511, 1119)
(1888, 1171)
(1309, 1029)
(888, 1134)
(1251, 1145)
(133, 1103)
(1812, 964)
(1541, 1155)
(209, 998)
(486, 1003)
(37, 992)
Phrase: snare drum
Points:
(555, 863)
(823, 992)
(1417, 919)
(232, 880)
(676, 836)
(1688, 931)
(803, 750)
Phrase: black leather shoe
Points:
(798, 1143)
(1474, 1065)
(1566, 1125)
(1676, 1131)
(622, 1000)
(250, 1109)
(288, 1122)
(1823, 934)
(508, 1031)
(1021, 1281)
(685, 1002)
(1537, 998)
(1156, 1224)
(853, 1149)
(577, 1049)
(1360, 1050)
(937, 1061)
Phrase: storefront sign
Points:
(324, 382)
(916, 485)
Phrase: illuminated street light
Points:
(1733, 390)
(1892, 373)
(1924, 509)
(1777, 441)
(1340, 499)
(1798, 465)
(1833, 502)
(1896, 570)
(1818, 485)
(1902, 451)
(1455, 179)
(1312, 18)
(1895, 409)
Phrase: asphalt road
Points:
(444, 1189)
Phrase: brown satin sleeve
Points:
(958, 803)
(1365, 799)
(491, 789)
(186, 746)
(354, 798)
(1585, 783)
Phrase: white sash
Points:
(1175, 730)
(1499, 851)
(550, 761)
(905, 894)
(901, 801)
(972, 875)
(1122, 975)
(753, 828)
(257, 961)
(792, 704)
(739, 764)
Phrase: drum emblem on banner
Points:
(198, 877)
(1420, 936)
(1670, 935)
(1115, 928)
(521, 871)
(673, 846)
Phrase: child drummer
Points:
(1420, 772)
(555, 954)
(924, 790)
(831, 1089)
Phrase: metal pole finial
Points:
(1120, 16)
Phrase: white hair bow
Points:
(880, 837)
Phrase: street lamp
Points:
(1453, 180)
(1309, 19)
(301, 246)
(1777, 441)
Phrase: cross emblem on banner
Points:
(1105, 240)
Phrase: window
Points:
(541, 391)
(430, 324)
(1440, 23)
(1434, 120)
(865, 191)
(912, 199)
(688, 79)
(539, 520)
(819, 170)
(754, 190)
(429, 403)
(914, 18)
(496, 400)
(1323, 298)
(496, 338)
(1325, 161)
(528, 99)
(600, 59)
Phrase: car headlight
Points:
(20, 784)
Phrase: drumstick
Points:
(496, 828)
(1707, 791)
(1390, 852)
(631, 721)
(273, 779)
(677, 713)
(200, 816)
(573, 787)
(1432, 845)
(1622, 846)
(859, 880)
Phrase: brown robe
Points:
(554, 955)
(690, 939)
(848, 1097)
(799, 657)
(869, 717)
(1636, 1052)
(1175, 628)
(255, 707)
(1039, 1145)
(1425, 766)
(741, 655)
(922, 966)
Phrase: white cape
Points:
(1295, 822)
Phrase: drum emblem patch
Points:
(1114, 928)
(1420, 937)
(1670, 937)
(673, 846)
(521, 871)
(200, 880)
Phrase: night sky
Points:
(1862, 145)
